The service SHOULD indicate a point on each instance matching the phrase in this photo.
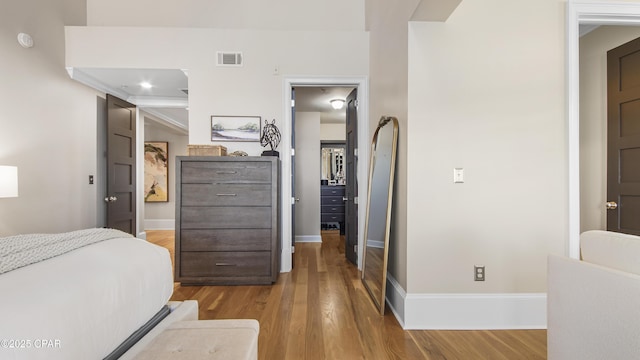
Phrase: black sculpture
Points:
(270, 136)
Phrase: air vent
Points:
(229, 58)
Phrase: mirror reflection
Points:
(333, 166)
(377, 227)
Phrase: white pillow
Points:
(611, 249)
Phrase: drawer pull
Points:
(226, 195)
(226, 172)
(225, 264)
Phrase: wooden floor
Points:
(320, 310)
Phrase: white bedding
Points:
(82, 304)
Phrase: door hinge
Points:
(293, 103)
(293, 249)
(293, 201)
(355, 200)
(356, 103)
(355, 152)
(355, 249)
(293, 152)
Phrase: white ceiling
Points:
(317, 99)
(168, 101)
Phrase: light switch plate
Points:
(458, 175)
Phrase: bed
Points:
(83, 302)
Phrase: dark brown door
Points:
(351, 189)
(623, 137)
(121, 165)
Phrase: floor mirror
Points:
(378, 221)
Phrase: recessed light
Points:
(146, 85)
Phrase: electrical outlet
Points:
(478, 273)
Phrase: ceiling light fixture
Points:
(337, 103)
(25, 40)
(146, 85)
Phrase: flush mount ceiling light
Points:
(146, 85)
(25, 40)
(337, 103)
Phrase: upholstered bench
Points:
(205, 339)
(182, 336)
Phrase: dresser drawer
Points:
(226, 240)
(331, 200)
(216, 194)
(330, 209)
(193, 217)
(225, 171)
(229, 264)
(332, 191)
(338, 217)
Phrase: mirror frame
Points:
(379, 299)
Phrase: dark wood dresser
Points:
(332, 207)
(227, 220)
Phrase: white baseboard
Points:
(466, 311)
(376, 244)
(309, 238)
(159, 224)
(395, 296)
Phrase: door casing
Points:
(362, 84)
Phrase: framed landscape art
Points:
(235, 128)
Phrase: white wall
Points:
(486, 93)
(47, 122)
(307, 176)
(245, 14)
(161, 215)
(253, 89)
(593, 121)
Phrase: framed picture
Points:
(235, 128)
(156, 171)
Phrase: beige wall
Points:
(593, 120)
(307, 174)
(161, 215)
(388, 56)
(487, 93)
(47, 122)
(333, 132)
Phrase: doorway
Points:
(361, 83)
(320, 166)
(584, 14)
(594, 135)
